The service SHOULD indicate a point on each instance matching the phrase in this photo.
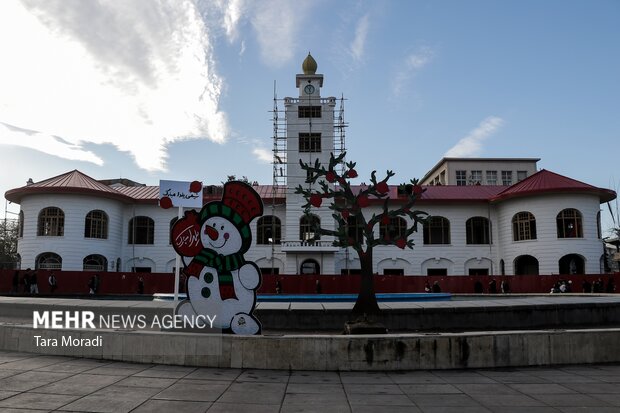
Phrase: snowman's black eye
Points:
(222, 228)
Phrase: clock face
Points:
(309, 89)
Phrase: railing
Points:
(308, 245)
(330, 100)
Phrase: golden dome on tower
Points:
(309, 65)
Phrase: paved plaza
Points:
(34, 383)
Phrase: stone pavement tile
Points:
(463, 377)
(390, 409)
(6, 393)
(546, 388)
(153, 382)
(8, 356)
(609, 378)
(37, 401)
(314, 388)
(523, 409)
(380, 400)
(443, 400)
(252, 397)
(12, 410)
(80, 384)
(112, 399)
(257, 387)
(590, 388)
(9, 373)
(490, 399)
(313, 398)
(570, 400)
(192, 392)
(166, 372)
(30, 380)
(520, 378)
(612, 399)
(32, 363)
(415, 377)
(68, 367)
(245, 408)
(429, 389)
(373, 388)
(266, 376)
(214, 374)
(167, 406)
(486, 389)
(114, 371)
(454, 409)
(314, 377)
(365, 377)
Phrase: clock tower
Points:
(311, 133)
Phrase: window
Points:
(269, 270)
(351, 271)
(20, 224)
(309, 111)
(310, 267)
(461, 178)
(307, 226)
(437, 231)
(140, 269)
(521, 175)
(393, 271)
(476, 178)
(96, 225)
(526, 265)
(478, 271)
(571, 264)
(51, 222)
(502, 267)
(141, 230)
(477, 230)
(397, 228)
(48, 261)
(569, 224)
(437, 271)
(268, 230)
(309, 142)
(523, 226)
(95, 262)
(506, 177)
(491, 177)
(355, 229)
(598, 225)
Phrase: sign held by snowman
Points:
(220, 281)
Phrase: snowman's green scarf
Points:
(224, 264)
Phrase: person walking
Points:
(53, 283)
(34, 285)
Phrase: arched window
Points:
(477, 230)
(268, 230)
(569, 224)
(502, 267)
(96, 224)
(141, 230)
(526, 265)
(51, 222)
(20, 224)
(355, 229)
(572, 264)
(397, 228)
(310, 267)
(95, 262)
(437, 231)
(523, 226)
(598, 225)
(307, 225)
(48, 261)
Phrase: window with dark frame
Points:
(569, 224)
(506, 177)
(436, 231)
(395, 229)
(523, 226)
(96, 225)
(521, 175)
(355, 229)
(477, 230)
(141, 230)
(309, 111)
(491, 177)
(309, 142)
(268, 230)
(95, 262)
(461, 178)
(307, 226)
(437, 271)
(51, 222)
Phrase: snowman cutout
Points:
(220, 281)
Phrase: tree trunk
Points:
(366, 304)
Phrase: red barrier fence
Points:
(76, 282)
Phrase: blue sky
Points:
(182, 90)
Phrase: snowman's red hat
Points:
(242, 199)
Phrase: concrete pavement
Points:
(35, 383)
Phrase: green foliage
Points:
(8, 243)
(335, 187)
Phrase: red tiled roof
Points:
(545, 181)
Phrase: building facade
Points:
(488, 216)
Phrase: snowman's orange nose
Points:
(211, 232)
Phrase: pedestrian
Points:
(504, 287)
(140, 285)
(478, 288)
(53, 283)
(492, 286)
(436, 287)
(278, 287)
(586, 286)
(317, 287)
(93, 284)
(26, 281)
(34, 285)
(427, 287)
(15, 283)
(611, 287)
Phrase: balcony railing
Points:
(308, 246)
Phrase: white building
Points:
(543, 223)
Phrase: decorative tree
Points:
(334, 186)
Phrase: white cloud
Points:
(471, 145)
(134, 74)
(359, 41)
(409, 67)
(263, 155)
